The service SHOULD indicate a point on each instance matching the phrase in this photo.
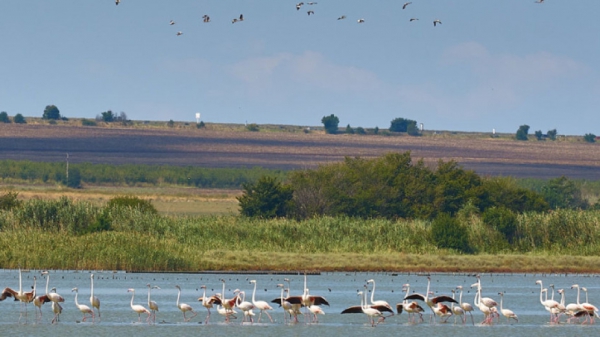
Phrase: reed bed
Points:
(63, 234)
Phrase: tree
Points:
(563, 193)
(51, 112)
(170, 123)
(349, 129)
(108, 116)
(330, 123)
(19, 119)
(402, 125)
(539, 134)
(412, 129)
(360, 130)
(503, 220)
(4, 117)
(551, 134)
(522, 132)
(267, 198)
(376, 130)
(589, 137)
(74, 180)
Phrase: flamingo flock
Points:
(377, 311)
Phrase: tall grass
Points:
(55, 234)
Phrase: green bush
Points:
(502, 220)
(589, 137)
(403, 125)
(9, 201)
(522, 132)
(360, 131)
(448, 233)
(87, 122)
(19, 119)
(144, 206)
(4, 117)
(267, 199)
(330, 123)
(253, 127)
(200, 125)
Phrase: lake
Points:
(522, 295)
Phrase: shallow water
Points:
(117, 318)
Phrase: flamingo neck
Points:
(47, 281)
(541, 291)
(20, 282)
(373, 293)
(253, 293)
(92, 286)
(578, 295)
(178, 295)
(76, 293)
(149, 294)
(132, 295)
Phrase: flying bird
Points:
(341, 17)
(117, 2)
(179, 33)
(406, 5)
(299, 5)
(539, 1)
(361, 20)
(206, 18)
(436, 21)
(413, 19)
(310, 12)
(311, 3)
(171, 22)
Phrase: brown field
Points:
(289, 148)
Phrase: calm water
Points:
(521, 296)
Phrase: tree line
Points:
(133, 174)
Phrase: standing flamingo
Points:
(430, 301)
(590, 308)
(506, 312)
(260, 305)
(52, 296)
(316, 310)
(137, 307)
(153, 306)
(184, 307)
(364, 308)
(228, 304)
(457, 310)
(488, 315)
(18, 295)
(464, 305)
(94, 301)
(244, 305)
(379, 302)
(56, 309)
(82, 307)
(208, 302)
(293, 309)
(411, 308)
(287, 306)
(548, 304)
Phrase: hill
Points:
(290, 148)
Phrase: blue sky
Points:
(490, 64)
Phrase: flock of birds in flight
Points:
(293, 306)
(206, 18)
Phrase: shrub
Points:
(144, 206)
(19, 119)
(330, 123)
(200, 125)
(9, 201)
(589, 137)
(447, 232)
(522, 132)
(539, 134)
(552, 134)
(268, 198)
(361, 131)
(253, 127)
(74, 179)
(402, 125)
(349, 130)
(171, 123)
(51, 112)
(87, 122)
(502, 220)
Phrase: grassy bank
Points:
(55, 234)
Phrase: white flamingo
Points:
(464, 305)
(590, 308)
(82, 307)
(506, 312)
(228, 304)
(316, 310)
(365, 309)
(138, 308)
(548, 304)
(20, 295)
(430, 301)
(379, 302)
(184, 307)
(245, 306)
(457, 310)
(56, 309)
(152, 305)
(94, 300)
(411, 308)
(288, 309)
(260, 305)
(487, 311)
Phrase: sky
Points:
(489, 65)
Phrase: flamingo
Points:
(506, 312)
(411, 308)
(226, 312)
(487, 311)
(138, 307)
(488, 302)
(261, 305)
(153, 306)
(208, 302)
(171, 22)
(431, 302)
(406, 5)
(443, 311)
(82, 307)
(380, 302)
(365, 309)
(117, 2)
(228, 304)
(464, 305)
(458, 310)
(287, 306)
(315, 309)
(548, 304)
(341, 17)
(184, 307)
(56, 309)
(574, 308)
(361, 21)
(413, 19)
(590, 308)
(94, 301)
(179, 33)
(244, 305)
(436, 21)
(205, 18)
